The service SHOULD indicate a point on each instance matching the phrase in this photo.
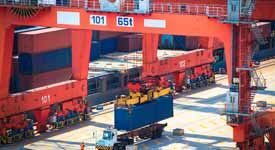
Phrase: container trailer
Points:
(111, 140)
(131, 123)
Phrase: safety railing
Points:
(193, 9)
(126, 7)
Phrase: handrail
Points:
(215, 11)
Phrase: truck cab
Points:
(108, 140)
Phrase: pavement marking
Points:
(220, 143)
(210, 147)
(190, 129)
(157, 142)
(144, 146)
(223, 118)
(170, 139)
(213, 122)
(203, 126)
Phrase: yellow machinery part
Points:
(103, 147)
(138, 98)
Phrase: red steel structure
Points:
(188, 17)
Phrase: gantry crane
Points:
(229, 21)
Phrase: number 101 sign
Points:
(98, 20)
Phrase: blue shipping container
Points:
(263, 54)
(143, 114)
(108, 45)
(166, 41)
(95, 50)
(43, 62)
(95, 35)
(179, 42)
(14, 84)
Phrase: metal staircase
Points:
(247, 8)
(258, 82)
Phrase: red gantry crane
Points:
(230, 21)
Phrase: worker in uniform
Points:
(188, 82)
(60, 118)
(82, 146)
(193, 80)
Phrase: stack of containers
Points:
(178, 42)
(45, 57)
(103, 42)
(131, 42)
(22, 30)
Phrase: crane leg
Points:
(42, 116)
(179, 80)
(6, 46)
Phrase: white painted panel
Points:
(68, 18)
(155, 23)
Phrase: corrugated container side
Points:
(179, 42)
(94, 85)
(95, 35)
(14, 84)
(109, 34)
(14, 81)
(15, 63)
(166, 41)
(43, 62)
(164, 107)
(44, 40)
(95, 50)
(22, 30)
(108, 45)
(34, 81)
(144, 114)
(131, 42)
(191, 42)
(203, 43)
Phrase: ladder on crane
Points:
(247, 8)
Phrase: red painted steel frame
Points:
(45, 96)
(193, 25)
(177, 24)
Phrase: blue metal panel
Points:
(43, 62)
(14, 84)
(95, 36)
(95, 50)
(109, 45)
(144, 114)
(264, 54)
(179, 42)
(166, 41)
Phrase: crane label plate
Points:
(155, 23)
(125, 21)
(98, 20)
(68, 18)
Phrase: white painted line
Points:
(68, 18)
(154, 23)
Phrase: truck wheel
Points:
(119, 146)
(156, 134)
(116, 146)
(130, 141)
